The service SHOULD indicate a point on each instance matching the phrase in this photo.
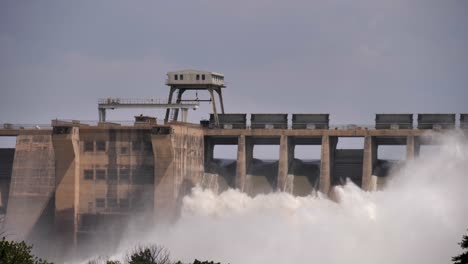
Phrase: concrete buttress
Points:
(32, 184)
(67, 171)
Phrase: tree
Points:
(462, 258)
(151, 254)
(12, 252)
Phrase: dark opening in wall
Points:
(89, 146)
(224, 164)
(100, 146)
(88, 174)
(124, 175)
(306, 169)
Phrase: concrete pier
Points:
(369, 182)
(327, 163)
(412, 147)
(286, 157)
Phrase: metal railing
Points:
(136, 101)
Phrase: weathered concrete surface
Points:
(241, 165)
(6, 167)
(285, 168)
(369, 181)
(327, 163)
(67, 171)
(412, 147)
(178, 166)
(32, 183)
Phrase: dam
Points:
(73, 181)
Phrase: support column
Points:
(102, 114)
(327, 163)
(215, 113)
(67, 172)
(284, 164)
(412, 147)
(220, 94)
(369, 182)
(208, 154)
(176, 110)
(184, 114)
(241, 165)
(169, 101)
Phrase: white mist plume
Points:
(419, 218)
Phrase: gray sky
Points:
(347, 58)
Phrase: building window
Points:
(148, 146)
(203, 77)
(143, 175)
(88, 174)
(176, 77)
(100, 145)
(136, 146)
(198, 77)
(123, 203)
(100, 174)
(124, 175)
(124, 150)
(100, 203)
(112, 176)
(181, 77)
(111, 202)
(89, 146)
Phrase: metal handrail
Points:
(137, 101)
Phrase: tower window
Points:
(89, 146)
(203, 77)
(181, 77)
(88, 174)
(100, 174)
(100, 145)
(198, 77)
(176, 77)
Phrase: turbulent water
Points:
(419, 218)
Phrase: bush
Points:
(12, 252)
(462, 258)
(151, 254)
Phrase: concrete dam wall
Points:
(75, 181)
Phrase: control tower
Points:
(185, 80)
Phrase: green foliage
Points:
(462, 258)
(12, 252)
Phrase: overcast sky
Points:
(351, 59)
